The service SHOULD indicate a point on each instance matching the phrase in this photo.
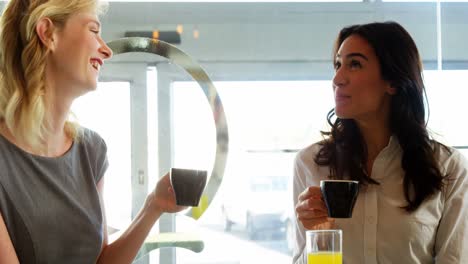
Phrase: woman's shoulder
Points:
(310, 151)
(91, 139)
(89, 134)
(447, 155)
(306, 157)
(307, 171)
(453, 165)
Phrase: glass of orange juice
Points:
(324, 247)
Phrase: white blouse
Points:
(380, 231)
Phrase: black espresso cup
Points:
(188, 185)
(340, 197)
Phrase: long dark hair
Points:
(344, 149)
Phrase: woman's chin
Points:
(341, 114)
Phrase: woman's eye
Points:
(95, 31)
(337, 65)
(354, 64)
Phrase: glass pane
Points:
(446, 101)
(464, 151)
(194, 130)
(272, 66)
(454, 35)
(268, 122)
(107, 111)
(420, 20)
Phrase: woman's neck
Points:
(376, 141)
(376, 135)
(55, 142)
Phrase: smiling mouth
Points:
(95, 65)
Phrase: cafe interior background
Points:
(271, 66)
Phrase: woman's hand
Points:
(125, 247)
(162, 198)
(311, 210)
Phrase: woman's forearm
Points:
(124, 249)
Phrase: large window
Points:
(268, 122)
(271, 63)
(107, 111)
(447, 101)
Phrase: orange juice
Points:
(325, 258)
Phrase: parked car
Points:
(260, 206)
(256, 192)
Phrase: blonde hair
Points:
(22, 64)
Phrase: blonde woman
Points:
(51, 170)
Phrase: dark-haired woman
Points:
(413, 201)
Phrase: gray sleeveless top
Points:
(51, 205)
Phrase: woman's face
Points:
(360, 92)
(78, 54)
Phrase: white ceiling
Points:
(154, 13)
(255, 13)
(284, 31)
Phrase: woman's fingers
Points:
(310, 192)
(310, 209)
(311, 204)
(311, 200)
(314, 213)
(319, 223)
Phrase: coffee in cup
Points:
(188, 185)
(340, 197)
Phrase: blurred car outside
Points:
(256, 193)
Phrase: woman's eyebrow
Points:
(95, 22)
(357, 54)
(353, 54)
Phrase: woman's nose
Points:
(105, 50)
(340, 78)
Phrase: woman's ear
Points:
(45, 31)
(391, 90)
